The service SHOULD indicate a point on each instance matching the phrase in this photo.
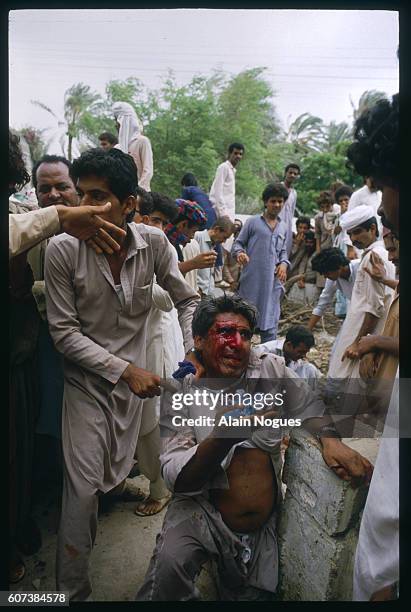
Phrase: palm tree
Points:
(334, 133)
(35, 140)
(367, 100)
(305, 133)
(60, 123)
(79, 104)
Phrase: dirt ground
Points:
(121, 554)
(325, 332)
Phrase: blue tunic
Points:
(266, 248)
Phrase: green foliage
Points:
(319, 170)
(191, 126)
(246, 114)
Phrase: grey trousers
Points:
(147, 454)
(75, 540)
(193, 532)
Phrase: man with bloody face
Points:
(226, 479)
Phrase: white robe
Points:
(367, 296)
(377, 556)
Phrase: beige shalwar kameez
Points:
(99, 337)
(344, 383)
(193, 529)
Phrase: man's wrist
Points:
(327, 432)
(126, 373)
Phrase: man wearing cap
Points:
(369, 299)
(191, 218)
(132, 141)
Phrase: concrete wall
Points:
(318, 526)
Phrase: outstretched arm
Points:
(28, 229)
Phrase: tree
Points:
(367, 100)
(35, 140)
(246, 114)
(335, 133)
(305, 133)
(183, 133)
(60, 132)
(80, 105)
(321, 169)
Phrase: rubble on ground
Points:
(325, 332)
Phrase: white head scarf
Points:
(356, 216)
(130, 125)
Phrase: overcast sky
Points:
(315, 59)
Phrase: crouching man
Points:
(226, 484)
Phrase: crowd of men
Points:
(121, 296)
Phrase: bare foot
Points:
(151, 506)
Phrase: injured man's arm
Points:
(203, 464)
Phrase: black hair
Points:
(235, 145)
(51, 159)
(299, 333)
(301, 220)
(224, 223)
(325, 197)
(275, 190)
(189, 180)
(206, 312)
(296, 166)
(111, 138)
(165, 205)
(145, 202)
(329, 260)
(309, 235)
(18, 175)
(367, 225)
(344, 190)
(375, 150)
(238, 221)
(117, 168)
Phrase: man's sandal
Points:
(157, 506)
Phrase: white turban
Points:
(356, 216)
(130, 125)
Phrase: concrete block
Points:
(313, 566)
(321, 495)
